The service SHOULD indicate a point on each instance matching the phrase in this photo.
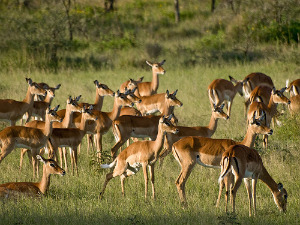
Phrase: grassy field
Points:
(74, 200)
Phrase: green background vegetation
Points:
(257, 36)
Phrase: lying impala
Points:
(208, 152)
(293, 88)
(276, 97)
(221, 90)
(71, 137)
(251, 81)
(28, 137)
(16, 189)
(245, 163)
(140, 153)
(12, 110)
(141, 126)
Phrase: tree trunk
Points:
(177, 13)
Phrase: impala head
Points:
(172, 100)
(122, 100)
(157, 67)
(280, 198)
(278, 96)
(51, 166)
(219, 113)
(51, 91)
(257, 126)
(134, 83)
(238, 85)
(131, 96)
(103, 89)
(35, 89)
(166, 126)
(88, 114)
(52, 115)
(72, 104)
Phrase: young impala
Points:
(12, 110)
(139, 154)
(245, 163)
(16, 189)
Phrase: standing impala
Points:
(245, 163)
(140, 153)
(270, 110)
(251, 81)
(12, 110)
(28, 137)
(16, 189)
(208, 152)
(221, 90)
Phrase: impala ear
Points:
(57, 87)
(77, 98)
(222, 106)
(175, 92)
(273, 90)
(167, 93)
(140, 80)
(162, 62)
(69, 100)
(170, 116)
(134, 89)
(96, 82)
(118, 93)
(29, 81)
(149, 63)
(131, 80)
(232, 79)
(283, 89)
(280, 186)
(41, 159)
(246, 80)
(56, 108)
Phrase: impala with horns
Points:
(12, 110)
(18, 189)
(245, 163)
(293, 88)
(208, 152)
(28, 137)
(140, 154)
(221, 90)
(250, 82)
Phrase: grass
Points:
(74, 200)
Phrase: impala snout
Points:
(271, 132)
(176, 131)
(113, 94)
(289, 102)
(63, 173)
(132, 104)
(227, 117)
(140, 101)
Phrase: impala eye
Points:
(51, 164)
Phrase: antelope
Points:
(245, 163)
(28, 137)
(131, 84)
(15, 189)
(293, 88)
(127, 126)
(39, 107)
(276, 97)
(140, 153)
(250, 82)
(12, 110)
(294, 106)
(72, 106)
(221, 90)
(71, 137)
(208, 152)
(207, 131)
(158, 103)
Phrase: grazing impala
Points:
(208, 152)
(251, 81)
(28, 137)
(16, 189)
(293, 88)
(276, 97)
(245, 163)
(221, 90)
(140, 153)
(12, 110)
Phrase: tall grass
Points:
(74, 200)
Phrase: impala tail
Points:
(109, 166)
(226, 167)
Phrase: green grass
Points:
(74, 200)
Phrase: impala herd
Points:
(57, 130)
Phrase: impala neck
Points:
(154, 82)
(249, 138)
(98, 101)
(157, 144)
(83, 124)
(115, 113)
(48, 127)
(45, 182)
(167, 110)
(272, 106)
(48, 99)
(268, 180)
(29, 98)
(212, 126)
(67, 121)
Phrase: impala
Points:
(28, 137)
(251, 81)
(245, 163)
(208, 131)
(294, 106)
(293, 88)
(127, 126)
(209, 152)
(270, 110)
(140, 153)
(12, 110)
(16, 189)
(71, 137)
(131, 84)
(221, 90)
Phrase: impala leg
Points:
(254, 181)
(122, 184)
(99, 145)
(6, 150)
(236, 186)
(64, 152)
(265, 143)
(152, 180)
(109, 176)
(75, 155)
(72, 160)
(118, 145)
(221, 187)
(79, 149)
(229, 103)
(248, 187)
(23, 152)
(145, 178)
